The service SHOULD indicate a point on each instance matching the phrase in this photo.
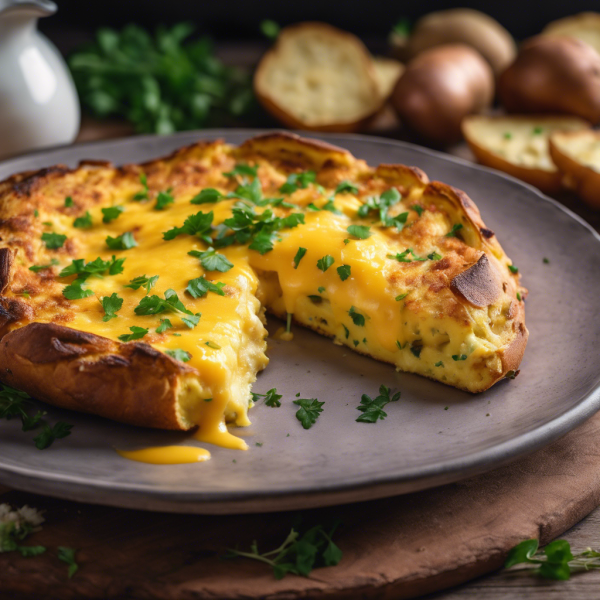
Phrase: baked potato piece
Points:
(464, 26)
(577, 156)
(559, 75)
(518, 145)
(319, 78)
(439, 88)
(584, 26)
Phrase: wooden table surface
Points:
(501, 585)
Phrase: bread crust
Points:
(136, 384)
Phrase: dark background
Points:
(239, 19)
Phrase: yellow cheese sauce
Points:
(167, 455)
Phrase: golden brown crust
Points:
(131, 383)
(480, 285)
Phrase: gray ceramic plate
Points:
(434, 435)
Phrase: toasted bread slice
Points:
(518, 145)
(320, 78)
(387, 71)
(584, 26)
(577, 156)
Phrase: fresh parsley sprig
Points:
(382, 204)
(297, 181)
(555, 561)
(299, 554)
(153, 305)
(199, 287)
(199, 225)
(67, 555)
(111, 213)
(111, 305)
(272, 398)
(142, 281)
(211, 260)
(125, 241)
(84, 222)
(137, 333)
(309, 411)
(54, 241)
(97, 267)
(179, 354)
(372, 408)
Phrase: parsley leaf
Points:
(164, 325)
(137, 333)
(212, 345)
(53, 241)
(111, 305)
(97, 267)
(84, 222)
(309, 411)
(142, 281)
(362, 232)
(207, 196)
(418, 209)
(13, 402)
(212, 260)
(455, 228)
(67, 555)
(299, 256)
(434, 256)
(125, 241)
(111, 213)
(199, 287)
(345, 187)
(357, 318)
(344, 272)
(76, 291)
(179, 354)
(459, 357)
(50, 434)
(37, 268)
(272, 398)
(69, 202)
(296, 181)
(382, 205)
(145, 193)
(513, 269)
(401, 297)
(405, 256)
(199, 224)
(163, 199)
(242, 169)
(325, 262)
(372, 408)
(153, 305)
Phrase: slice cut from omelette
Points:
(137, 293)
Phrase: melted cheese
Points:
(167, 455)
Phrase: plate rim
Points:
(145, 496)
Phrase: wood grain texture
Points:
(394, 548)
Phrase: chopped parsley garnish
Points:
(372, 408)
(163, 199)
(545, 261)
(36, 213)
(211, 260)
(84, 222)
(312, 206)
(325, 262)
(344, 272)
(111, 305)
(137, 333)
(207, 196)
(145, 193)
(418, 209)
(299, 256)
(242, 169)
(67, 555)
(346, 331)
(37, 268)
(164, 325)
(54, 241)
(142, 281)
(309, 411)
(330, 206)
(362, 232)
(111, 213)
(69, 202)
(508, 135)
(406, 256)
(297, 181)
(519, 296)
(270, 29)
(199, 224)
(212, 345)
(179, 354)
(321, 289)
(513, 269)
(537, 130)
(401, 296)
(272, 398)
(97, 267)
(199, 287)
(76, 291)
(382, 205)
(400, 346)
(357, 318)
(455, 228)
(125, 241)
(50, 434)
(434, 256)
(416, 349)
(439, 364)
(299, 554)
(346, 187)
(153, 305)
(459, 357)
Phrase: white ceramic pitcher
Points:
(38, 101)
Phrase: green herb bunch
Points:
(159, 83)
